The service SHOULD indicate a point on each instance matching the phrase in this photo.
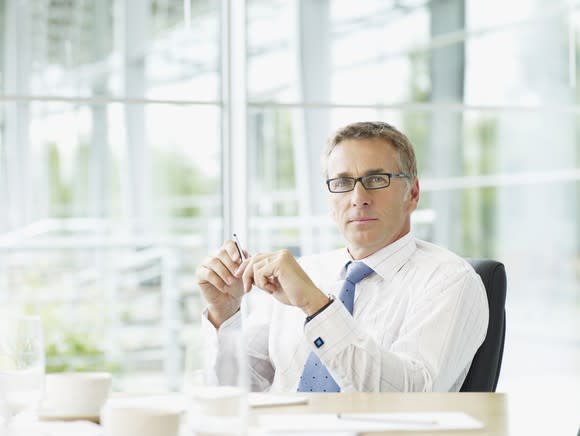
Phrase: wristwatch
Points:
(330, 300)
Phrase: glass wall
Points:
(119, 172)
(490, 102)
(110, 153)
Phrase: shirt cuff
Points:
(234, 321)
(211, 336)
(331, 331)
(213, 340)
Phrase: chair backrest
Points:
(484, 371)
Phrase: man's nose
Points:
(359, 195)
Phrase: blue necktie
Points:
(315, 377)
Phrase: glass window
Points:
(110, 173)
(166, 51)
(493, 121)
(114, 130)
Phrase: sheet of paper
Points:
(73, 428)
(258, 399)
(307, 433)
(255, 399)
(368, 422)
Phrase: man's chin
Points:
(363, 239)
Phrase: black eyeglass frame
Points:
(362, 178)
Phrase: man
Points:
(387, 313)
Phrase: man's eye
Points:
(341, 182)
(376, 179)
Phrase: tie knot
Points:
(356, 271)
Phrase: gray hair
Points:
(376, 129)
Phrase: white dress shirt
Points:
(416, 325)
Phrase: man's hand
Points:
(221, 289)
(280, 275)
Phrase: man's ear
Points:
(413, 195)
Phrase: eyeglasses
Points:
(370, 182)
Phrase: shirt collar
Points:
(385, 262)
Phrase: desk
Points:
(529, 413)
(491, 409)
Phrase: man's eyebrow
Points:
(366, 173)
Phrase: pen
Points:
(386, 419)
(239, 247)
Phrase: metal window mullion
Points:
(136, 28)
(17, 164)
(234, 116)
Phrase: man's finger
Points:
(264, 276)
(207, 275)
(248, 271)
(240, 271)
(216, 265)
(229, 256)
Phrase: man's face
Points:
(370, 220)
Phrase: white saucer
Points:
(53, 415)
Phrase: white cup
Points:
(217, 400)
(76, 394)
(126, 418)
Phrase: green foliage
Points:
(479, 205)
(416, 123)
(175, 176)
(70, 346)
(61, 193)
(285, 174)
(75, 352)
(65, 194)
(272, 163)
(178, 177)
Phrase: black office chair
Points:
(484, 371)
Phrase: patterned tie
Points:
(315, 377)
